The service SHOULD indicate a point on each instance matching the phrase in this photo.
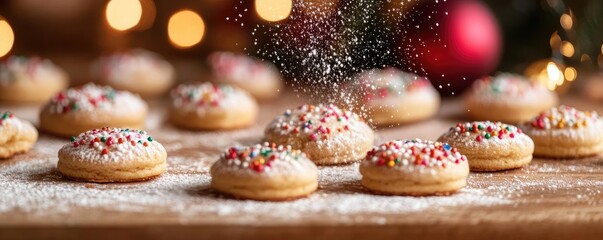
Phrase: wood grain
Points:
(549, 199)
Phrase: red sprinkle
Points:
(105, 151)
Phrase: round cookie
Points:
(77, 110)
(414, 167)
(564, 132)
(209, 106)
(258, 77)
(137, 71)
(16, 135)
(390, 96)
(490, 146)
(507, 98)
(264, 172)
(112, 155)
(30, 80)
(327, 134)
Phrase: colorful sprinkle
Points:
(389, 82)
(487, 130)
(415, 152)
(317, 122)
(103, 139)
(260, 157)
(564, 117)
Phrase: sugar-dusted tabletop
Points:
(549, 199)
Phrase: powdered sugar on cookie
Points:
(412, 154)
(239, 68)
(19, 68)
(108, 145)
(266, 158)
(91, 97)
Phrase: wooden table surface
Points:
(549, 199)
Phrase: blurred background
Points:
(554, 42)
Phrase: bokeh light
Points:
(273, 10)
(555, 40)
(554, 74)
(566, 21)
(185, 29)
(7, 37)
(571, 74)
(123, 14)
(567, 49)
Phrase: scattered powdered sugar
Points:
(34, 187)
(31, 188)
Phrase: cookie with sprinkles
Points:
(414, 167)
(490, 146)
(112, 155)
(266, 172)
(209, 106)
(16, 135)
(258, 77)
(327, 134)
(138, 71)
(507, 97)
(565, 132)
(91, 106)
(390, 96)
(30, 80)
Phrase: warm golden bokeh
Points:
(123, 14)
(567, 49)
(7, 37)
(273, 10)
(571, 74)
(566, 21)
(185, 29)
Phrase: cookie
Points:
(112, 155)
(209, 106)
(264, 172)
(258, 77)
(327, 134)
(414, 167)
(16, 135)
(32, 80)
(565, 132)
(76, 110)
(138, 71)
(490, 146)
(507, 98)
(390, 96)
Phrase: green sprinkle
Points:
(310, 121)
(480, 127)
(72, 139)
(74, 106)
(487, 136)
(150, 139)
(139, 141)
(127, 129)
(508, 128)
(103, 139)
(471, 129)
(397, 160)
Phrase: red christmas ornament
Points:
(455, 42)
